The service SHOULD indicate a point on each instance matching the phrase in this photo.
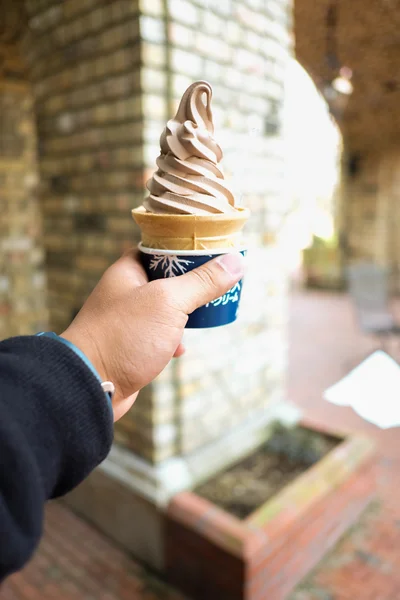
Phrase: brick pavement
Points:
(75, 562)
(365, 565)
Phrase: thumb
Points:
(204, 284)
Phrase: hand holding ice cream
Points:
(129, 329)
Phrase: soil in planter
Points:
(244, 487)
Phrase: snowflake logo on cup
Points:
(170, 265)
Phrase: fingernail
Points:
(232, 263)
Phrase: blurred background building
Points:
(351, 51)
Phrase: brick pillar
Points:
(372, 207)
(22, 279)
(106, 76)
(229, 376)
(364, 232)
(83, 59)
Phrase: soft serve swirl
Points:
(189, 180)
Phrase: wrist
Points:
(87, 347)
(81, 352)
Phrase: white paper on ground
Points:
(372, 389)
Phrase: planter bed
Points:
(244, 536)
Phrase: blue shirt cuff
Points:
(81, 355)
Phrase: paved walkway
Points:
(75, 562)
(325, 345)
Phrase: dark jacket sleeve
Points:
(55, 427)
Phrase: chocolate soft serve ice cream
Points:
(190, 206)
(189, 180)
(189, 215)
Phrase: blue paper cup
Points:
(169, 263)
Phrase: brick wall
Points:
(22, 278)
(389, 212)
(105, 77)
(229, 374)
(360, 210)
(372, 213)
(83, 61)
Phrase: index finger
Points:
(130, 262)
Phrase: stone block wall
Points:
(83, 61)
(105, 77)
(389, 212)
(22, 277)
(360, 207)
(228, 375)
(372, 211)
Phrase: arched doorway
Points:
(314, 153)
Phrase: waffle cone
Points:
(190, 232)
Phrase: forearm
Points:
(55, 427)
